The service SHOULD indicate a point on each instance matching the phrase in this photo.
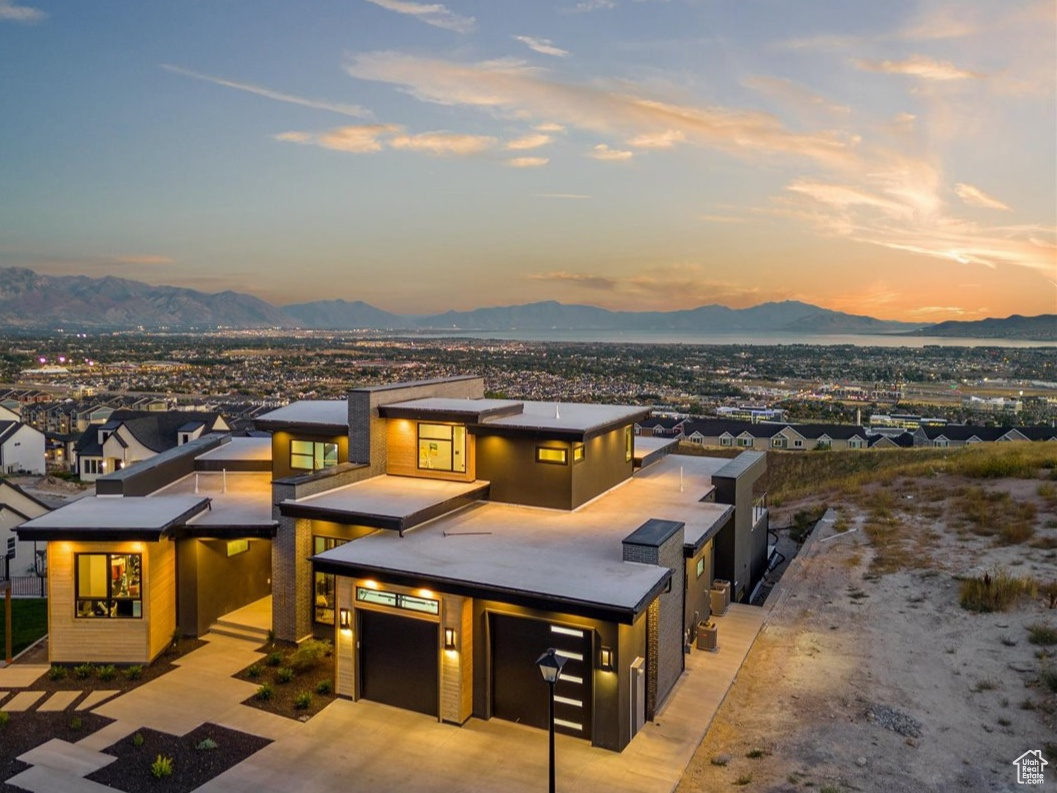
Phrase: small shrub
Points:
(284, 674)
(57, 672)
(1008, 642)
(323, 687)
(1049, 592)
(161, 767)
(265, 691)
(271, 637)
(310, 654)
(720, 760)
(987, 684)
(206, 744)
(1039, 633)
(254, 671)
(134, 672)
(83, 671)
(744, 779)
(137, 740)
(5, 717)
(274, 658)
(756, 753)
(76, 723)
(1004, 722)
(1048, 676)
(829, 789)
(303, 700)
(108, 672)
(998, 591)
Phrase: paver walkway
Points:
(60, 700)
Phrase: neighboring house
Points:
(16, 507)
(663, 427)
(129, 436)
(21, 448)
(442, 540)
(9, 414)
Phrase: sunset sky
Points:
(895, 159)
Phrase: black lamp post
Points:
(550, 664)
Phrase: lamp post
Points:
(550, 664)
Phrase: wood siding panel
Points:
(402, 453)
(159, 609)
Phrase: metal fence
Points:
(28, 585)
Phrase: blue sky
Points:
(895, 159)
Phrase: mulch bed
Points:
(284, 695)
(28, 730)
(192, 767)
(119, 682)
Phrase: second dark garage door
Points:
(398, 661)
(518, 691)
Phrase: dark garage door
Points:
(398, 661)
(518, 691)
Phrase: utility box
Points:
(707, 636)
(720, 596)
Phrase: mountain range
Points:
(29, 300)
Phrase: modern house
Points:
(16, 507)
(130, 436)
(441, 539)
(21, 448)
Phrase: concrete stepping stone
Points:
(21, 675)
(109, 735)
(24, 700)
(60, 700)
(95, 698)
(69, 757)
(3, 695)
(41, 779)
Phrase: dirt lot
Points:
(870, 676)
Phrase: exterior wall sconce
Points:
(344, 619)
(449, 638)
(605, 659)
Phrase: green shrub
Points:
(274, 658)
(310, 654)
(76, 723)
(265, 691)
(57, 672)
(756, 753)
(206, 744)
(1040, 633)
(83, 671)
(995, 592)
(137, 740)
(284, 674)
(134, 672)
(1048, 677)
(271, 636)
(161, 767)
(324, 687)
(303, 700)
(108, 672)
(1049, 592)
(744, 779)
(254, 671)
(5, 717)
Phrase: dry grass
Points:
(996, 591)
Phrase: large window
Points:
(323, 585)
(312, 455)
(109, 585)
(442, 447)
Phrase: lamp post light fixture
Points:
(550, 665)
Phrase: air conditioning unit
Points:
(720, 596)
(707, 636)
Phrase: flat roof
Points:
(387, 502)
(240, 503)
(646, 445)
(449, 409)
(240, 449)
(326, 413)
(567, 418)
(575, 558)
(114, 518)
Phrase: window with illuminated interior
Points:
(109, 585)
(312, 455)
(442, 447)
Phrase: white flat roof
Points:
(551, 553)
(240, 449)
(647, 444)
(569, 416)
(309, 411)
(115, 513)
(236, 499)
(389, 496)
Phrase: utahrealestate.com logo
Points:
(1031, 768)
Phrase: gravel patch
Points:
(30, 729)
(894, 720)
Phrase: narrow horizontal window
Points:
(545, 454)
(567, 631)
(572, 725)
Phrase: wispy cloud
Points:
(527, 162)
(444, 143)
(603, 152)
(920, 66)
(542, 46)
(319, 104)
(591, 5)
(145, 259)
(795, 95)
(975, 197)
(11, 12)
(359, 139)
(435, 14)
(658, 140)
(588, 280)
(550, 127)
(529, 142)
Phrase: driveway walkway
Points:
(367, 746)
